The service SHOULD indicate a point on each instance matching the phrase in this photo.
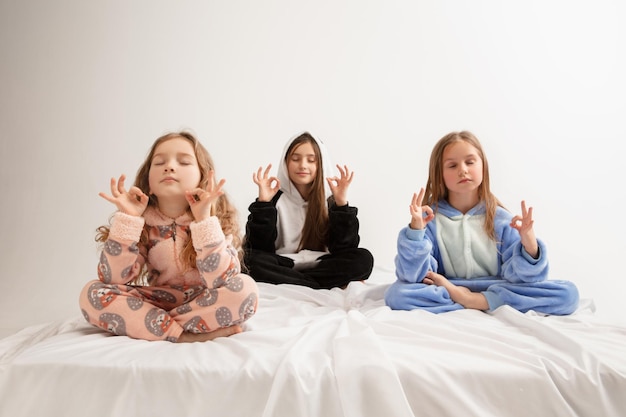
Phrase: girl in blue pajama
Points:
(462, 249)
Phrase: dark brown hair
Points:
(315, 230)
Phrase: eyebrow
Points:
(469, 155)
(178, 154)
(302, 154)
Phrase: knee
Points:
(83, 298)
(249, 289)
(88, 300)
(368, 258)
(363, 261)
(393, 298)
(250, 286)
(571, 298)
(249, 297)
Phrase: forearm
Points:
(118, 264)
(519, 266)
(121, 259)
(215, 255)
(414, 257)
(471, 300)
(261, 227)
(343, 232)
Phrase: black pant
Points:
(332, 270)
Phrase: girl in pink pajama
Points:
(170, 263)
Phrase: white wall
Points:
(85, 88)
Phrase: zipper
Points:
(176, 260)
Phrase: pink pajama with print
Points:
(162, 313)
(213, 295)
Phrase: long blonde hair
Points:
(315, 229)
(436, 188)
(224, 210)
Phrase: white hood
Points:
(291, 206)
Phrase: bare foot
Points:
(187, 337)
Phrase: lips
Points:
(169, 179)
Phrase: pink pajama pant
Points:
(163, 313)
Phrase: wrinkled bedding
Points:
(327, 353)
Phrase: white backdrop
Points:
(85, 88)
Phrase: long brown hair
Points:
(224, 210)
(315, 229)
(436, 188)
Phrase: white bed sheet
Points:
(327, 353)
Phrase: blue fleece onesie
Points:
(455, 245)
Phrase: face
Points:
(302, 165)
(462, 168)
(174, 169)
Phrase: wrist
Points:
(416, 226)
(532, 250)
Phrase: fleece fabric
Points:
(214, 294)
(455, 245)
(291, 207)
(274, 230)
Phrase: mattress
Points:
(327, 353)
